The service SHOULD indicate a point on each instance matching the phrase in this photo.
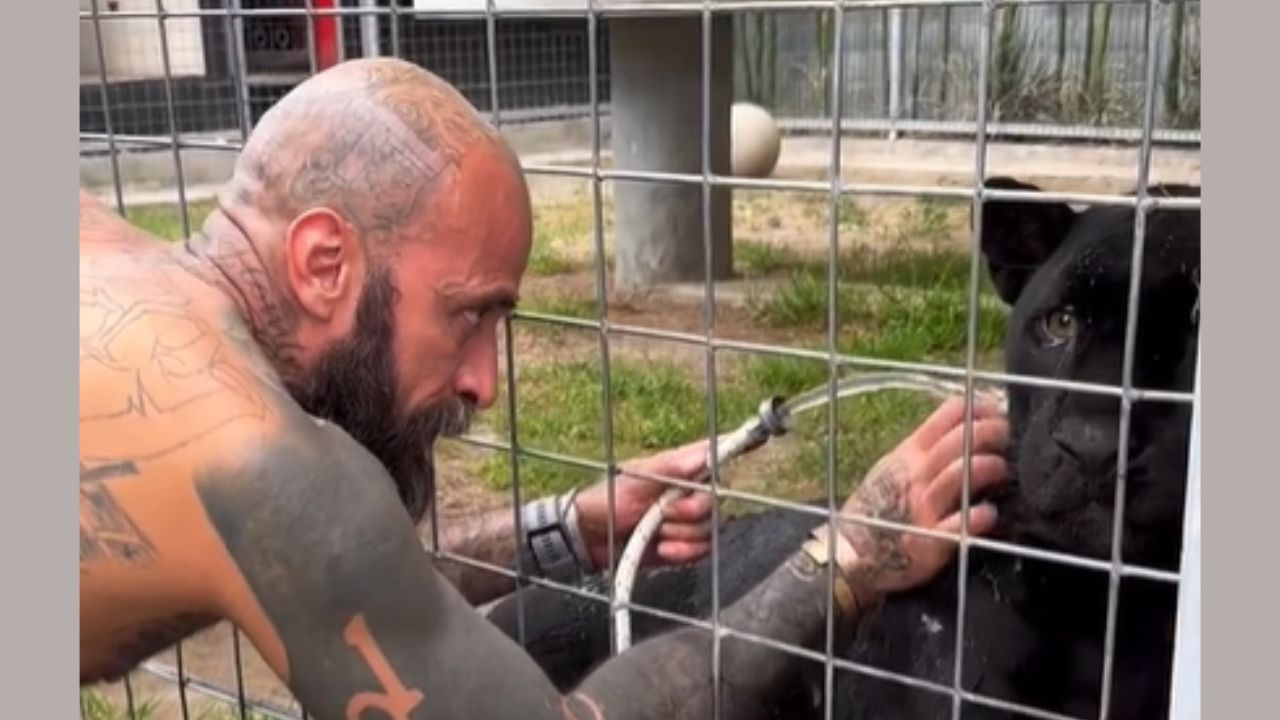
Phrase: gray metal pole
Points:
(369, 30)
(895, 70)
(656, 107)
(242, 69)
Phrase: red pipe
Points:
(326, 35)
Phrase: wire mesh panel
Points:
(871, 247)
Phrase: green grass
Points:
(930, 216)
(559, 409)
(545, 259)
(849, 214)
(94, 706)
(165, 220)
(760, 259)
(869, 425)
(558, 230)
(228, 712)
(582, 308)
(935, 269)
(900, 304)
(896, 304)
(801, 302)
(657, 405)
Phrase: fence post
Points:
(656, 113)
(895, 70)
(240, 60)
(369, 30)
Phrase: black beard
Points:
(354, 386)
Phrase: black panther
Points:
(1034, 630)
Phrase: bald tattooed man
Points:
(258, 406)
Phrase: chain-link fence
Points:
(187, 75)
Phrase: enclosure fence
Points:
(927, 66)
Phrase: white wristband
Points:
(572, 528)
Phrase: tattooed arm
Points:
(683, 536)
(364, 625)
(488, 538)
(339, 581)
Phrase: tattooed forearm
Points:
(881, 497)
(670, 676)
(489, 538)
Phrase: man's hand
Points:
(685, 533)
(920, 483)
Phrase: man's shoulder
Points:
(306, 494)
(161, 372)
(303, 453)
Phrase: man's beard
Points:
(354, 386)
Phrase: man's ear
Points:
(1019, 236)
(324, 261)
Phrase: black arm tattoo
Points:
(369, 625)
(670, 676)
(489, 538)
(369, 628)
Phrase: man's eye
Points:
(1059, 327)
(471, 317)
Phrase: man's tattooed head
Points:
(395, 161)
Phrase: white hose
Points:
(728, 446)
(630, 561)
(748, 437)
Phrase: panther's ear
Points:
(1018, 236)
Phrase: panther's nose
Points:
(1090, 443)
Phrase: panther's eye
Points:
(1059, 327)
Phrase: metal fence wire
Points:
(168, 78)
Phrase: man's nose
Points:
(477, 378)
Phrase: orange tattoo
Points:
(397, 701)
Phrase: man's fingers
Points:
(678, 553)
(949, 415)
(693, 508)
(685, 532)
(982, 520)
(682, 463)
(990, 435)
(986, 472)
